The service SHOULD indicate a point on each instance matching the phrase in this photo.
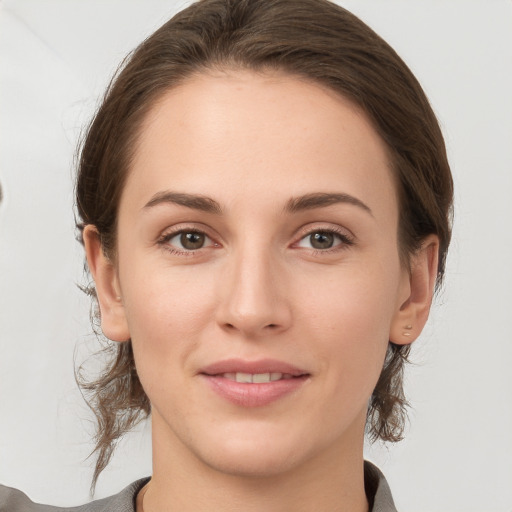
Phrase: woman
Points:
(265, 205)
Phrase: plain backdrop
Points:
(56, 56)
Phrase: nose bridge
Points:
(253, 301)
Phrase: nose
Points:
(254, 300)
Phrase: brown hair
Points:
(315, 39)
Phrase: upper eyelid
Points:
(329, 228)
(185, 227)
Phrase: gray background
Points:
(56, 57)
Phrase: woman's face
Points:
(258, 271)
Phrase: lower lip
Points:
(253, 395)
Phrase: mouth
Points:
(253, 383)
(256, 378)
(241, 370)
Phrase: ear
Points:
(108, 291)
(417, 290)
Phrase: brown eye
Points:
(192, 240)
(322, 240)
(186, 242)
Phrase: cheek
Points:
(355, 304)
(167, 313)
(350, 319)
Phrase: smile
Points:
(253, 383)
(256, 378)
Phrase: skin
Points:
(258, 288)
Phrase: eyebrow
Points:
(320, 200)
(295, 204)
(196, 202)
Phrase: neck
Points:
(332, 481)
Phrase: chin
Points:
(251, 451)
(250, 464)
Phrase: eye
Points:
(188, 240)
(324, 240)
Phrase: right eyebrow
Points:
(196, 202)
(322, 199)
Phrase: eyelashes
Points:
(325, 240)
(191, 241)
(186, 241)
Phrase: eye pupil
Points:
(321, 240)
(192, 240)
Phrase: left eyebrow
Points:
(320, 200)
(193, 201)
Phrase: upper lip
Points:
(254, 367)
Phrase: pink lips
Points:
(272, 380)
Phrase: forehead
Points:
(274, 134)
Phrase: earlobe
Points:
(104, 273)
(414, 306)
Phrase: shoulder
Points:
(12, 500)
(377, 489)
